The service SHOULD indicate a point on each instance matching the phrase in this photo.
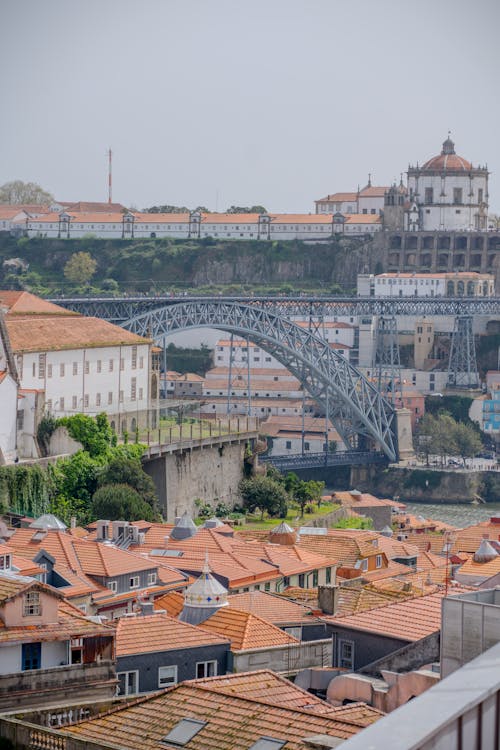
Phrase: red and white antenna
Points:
(110, 155)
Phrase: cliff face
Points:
(197, 262)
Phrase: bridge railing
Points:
(187, 432)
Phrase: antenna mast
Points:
(109, 176)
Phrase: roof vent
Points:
(485, 552)
(184, 528)
(267, 743)
(386, 531)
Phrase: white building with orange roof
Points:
(447, 284)
(447, 193)
(78, 364)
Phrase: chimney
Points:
(328, 599)
(73, 522)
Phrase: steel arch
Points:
(354, 405)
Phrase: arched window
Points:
(470, 288)
(460, 289)
(450, 289)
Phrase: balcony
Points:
(71, 682)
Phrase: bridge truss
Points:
(354, 405)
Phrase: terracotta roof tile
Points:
(56, 333)
(246, 630)
(159, 632)
(338, 198)
(233, 722)
(272, 608)
(24, 303)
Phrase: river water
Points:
(457, 514)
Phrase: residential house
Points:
(50, 652)
(154, 650)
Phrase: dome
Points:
(184, 528)
(203, 598)
(447, 160)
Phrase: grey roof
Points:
(48, 521)
(184, 528)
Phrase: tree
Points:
(18, 191)
(466, 440)
(166, 209)
(120, 502)
(308, 492)
(80, 268)
(123, 469)
(246, 210)
(264, 494)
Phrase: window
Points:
(294, 632)
(134, 582)
(267, 586)
(328, 578)
(41, 365)
(31, 604)
(364, 564)
(151, 579)
(31, 656)
(75, 368)
(61, 403)
(133, 389)
(141, 363)
(86, 365)
(20, 420)
(306, 445)
(97, 399)
(134, 358)
(86, 400)
(111, 365)
(288, 444)
(346, 654)
(429, 195)
(49, 371)
(61, 370)
(480, 195)
(5, 562)
(315, 578)
(98, 365)
(167, 676)
(120, 395)
(122, 363)
(141, 394)
(74, 402)
(128, 682)
(112, 586)
(206, 669)
(378, 561)
(457, 195)
(110, 397)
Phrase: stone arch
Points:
(355, 406)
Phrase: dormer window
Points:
(31, 605)
(5, 562)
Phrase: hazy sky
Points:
(220, 102)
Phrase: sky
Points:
(224, 102)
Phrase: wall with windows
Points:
(106, 379)
(186, 664)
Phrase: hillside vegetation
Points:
(163, 265)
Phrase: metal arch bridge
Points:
(120, 309)
(353, 404)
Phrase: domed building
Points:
(447, 193)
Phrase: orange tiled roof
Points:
(338, 198)
(232, 722)
(409, 620)
(53, 333)
(159, 632)
(173, 603)
(230, 218)
(246, 630)
(24, 303)
(373, 191)
(105, 560)
(469, 539)
(272, 608)
(269, 687)
(301, 218)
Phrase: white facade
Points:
(134, 225)
(452, 284)
(113, 379)
(447, 193)
(8, 418)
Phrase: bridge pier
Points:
(404, 433)
(209, 470)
